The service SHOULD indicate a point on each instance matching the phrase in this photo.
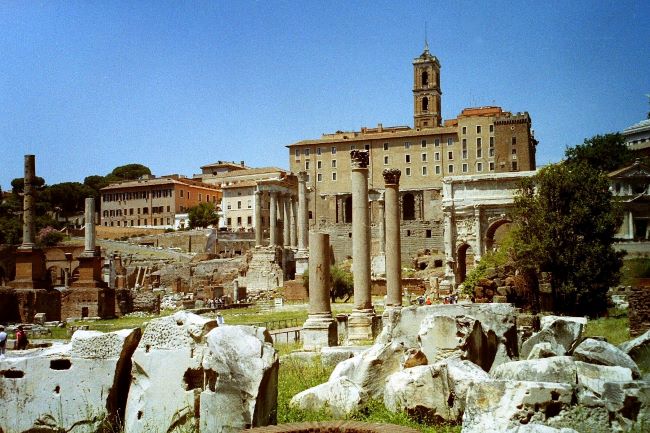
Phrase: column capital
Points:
(302, 176)
(359, 158)
(391, 176)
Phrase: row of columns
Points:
(294, 216)
(362, 323)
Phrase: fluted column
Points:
(89, 227)
(259, 230)
(273, 219)
(393, 242)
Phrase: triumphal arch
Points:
(474, 207)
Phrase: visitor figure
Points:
(3, 342)
(21, 339)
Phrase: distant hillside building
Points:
(631, 185)
(637, 138)
(153, 202)
(479, 140)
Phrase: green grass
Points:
(615, 329)
(638, 267)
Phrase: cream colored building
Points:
(479, 140)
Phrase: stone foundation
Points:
(264, 273)
(639, 310)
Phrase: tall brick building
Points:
(479, 140)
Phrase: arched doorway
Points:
(465, 262)
(496, 232)
(408, 207)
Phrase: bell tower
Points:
(426, 91)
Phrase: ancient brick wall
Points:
(415, 286)
(294, 290)
(639, 310)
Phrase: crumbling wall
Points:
(639, 310)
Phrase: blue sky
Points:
(87, 86)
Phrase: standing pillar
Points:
(259, 230)
(294, 221)
(382, 223)
(89, 227)
(286, 235)
(477, 230)
(302, 255)
(29, 202)
(360, 324)
(319, 329)
(393, 260)
(273, 220)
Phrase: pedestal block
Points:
(319, 330)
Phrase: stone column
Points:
(29, 202)
(448, 237)
(273, 219)
(294, 222)
(630, 225)
(393, 243)
(319, 329)
(478, 252)
(382, 224)
(286, 220)
(259, 230)
(360, 325)
(303, 212)
(89, 227)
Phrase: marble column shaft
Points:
(259, 230)
(294, 222)
(89, 226)
(382, 225)
(393, 241)
(360, 232)
(303, 212)
(319, 274)
(477, 230)
(273, 219)
(286, 221)
(29, 202)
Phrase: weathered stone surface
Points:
(561, 331)
(340, 395)
(546, 349)
(332, 356)
(370, 369)
(242, 380)
(628, 402)
(639, 350)
(414, 357)
(443, 336)
(167, 375)
(546, 321)
(559, 369)
(499, 406)
(539, 428)
(433, 392)
(604, 353)
(593, 377)
(72, 387)
(495, 319)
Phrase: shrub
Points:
(49, 236)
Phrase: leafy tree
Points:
(68, 197)
(203, 215)
(18, 184)
(567, 222)
(342, 285)
(603, 152)
(127, 172)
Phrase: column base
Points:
(363, 326)
(319, 330)
(302, 261)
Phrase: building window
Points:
(249, 204)
(306, 165)
(464, 130)
(249, 220)
(478, 129)
(367, 147)
(408, 171)
(229, 206)
(424, 171)
(200, 197)
(464, 154)
(238, 221)
(407, 158)
(182, 192)
(318, 151)
(306, 152)
(436, 142)
(334, 176)
(333, 163)
(479, 166)
(514, 140)
(238, 204)
(491, 128)
(450, 155)
(514, 150)
(492, 151)
(319, 177)
(407, 145)
(464, 143)
(319, 164)
(308, 178)
(229, 221)
(479, 142)
(424, 157)
(513, 165)
(352, 147)
(424, 143)
(491, 141)
(450, 168)
(386, 160)
(465, 167)
(385, 146)
(491, 166)
(297, 153)
(437, 169)
(450, 141)
(436, 156)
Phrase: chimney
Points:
(242, 163)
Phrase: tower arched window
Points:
(425, 78)
(425, 104)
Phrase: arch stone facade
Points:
(473, 208)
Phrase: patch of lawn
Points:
(615, 329)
